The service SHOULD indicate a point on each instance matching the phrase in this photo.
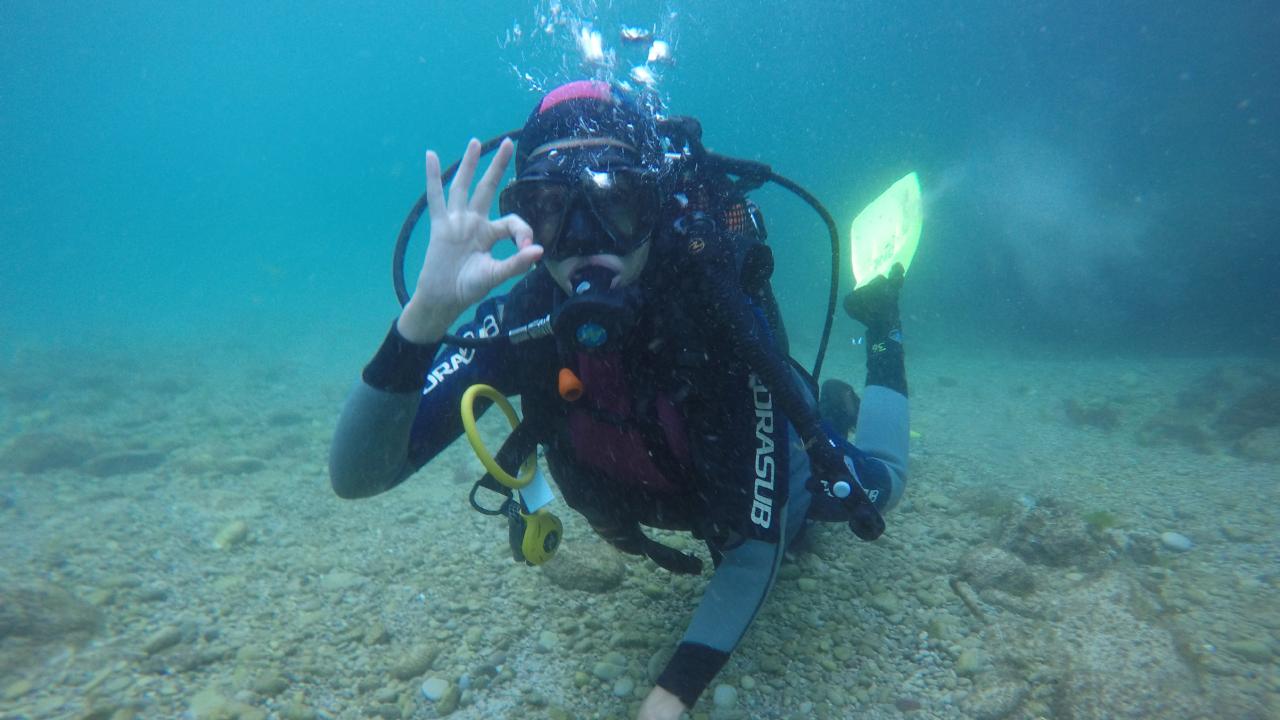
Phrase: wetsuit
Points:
(715, 457)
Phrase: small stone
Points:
(377, 634)
(233, 533)
(747, 682)
(606, 671)
(885, 602)
(449, 703)
(548, 641)
(1254, 651)
(270, 684)
(808, 584)
(907, 704)
(415, 663)
(16, 689)
(623, 687)
(969, 663)
(162, 639)
(1176, 542)
(295, 710)
(725, 696)
(580, 679)
(435, 688)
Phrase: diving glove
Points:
(831, 476)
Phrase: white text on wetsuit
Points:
(762, 504)
(451, 364)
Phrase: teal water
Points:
(1100, 172)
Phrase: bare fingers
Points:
(488, 186)
(466, 173)
(435, 193)
(510, 226)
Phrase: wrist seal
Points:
(399, 366)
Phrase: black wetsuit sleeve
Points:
(406, 408)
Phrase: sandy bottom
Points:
(171, 549)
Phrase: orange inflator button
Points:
(570, 385)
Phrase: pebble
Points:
(1254, 651)
(162, 639)
(233, 533)
(725, 696)
(434, 688)
(415, 664)
(624, 687)
(1176, 542)
(548, 641)
(270, 684)
(606, 671)
(885, 602)
(747, 682)
(16, 689)
(970, 662)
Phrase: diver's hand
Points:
(661, 705)
(459, 269)
(876, 303)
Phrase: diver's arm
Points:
(738, 589)
(372, 449)
(729, 604)
(406, 408)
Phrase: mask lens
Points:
(626, 202)
(540, 202)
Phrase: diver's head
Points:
(587, 173)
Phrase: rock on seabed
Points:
(1176, 542)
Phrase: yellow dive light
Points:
(530, 465)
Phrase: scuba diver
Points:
(649, 356)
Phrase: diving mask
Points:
(591, 208)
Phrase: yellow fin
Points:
(887, 231)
